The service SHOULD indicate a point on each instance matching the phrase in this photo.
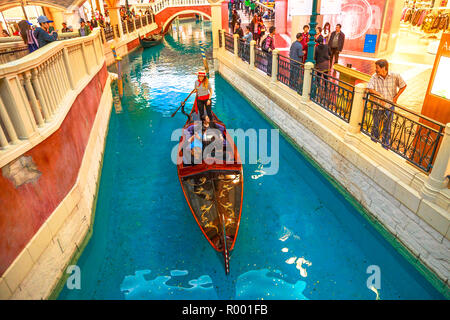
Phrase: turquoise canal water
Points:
(299, 237)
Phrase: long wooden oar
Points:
(173, 114)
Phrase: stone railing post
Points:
(40, 95)
(17, 107)
(275, 65)
(83, 52)
(68, 68)
(357, 109)
(252, 54)
(33, 100)
(236, 43)
(307, 79)
(437, 180)
(8, 124)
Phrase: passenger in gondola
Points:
(192, 134)
(204, 94)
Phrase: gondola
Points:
(214, 194)
(147, 43)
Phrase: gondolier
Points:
(204, 94)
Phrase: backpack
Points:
(264, 46)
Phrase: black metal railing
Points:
(116, 30)
(144, 21)
(220, 38)
(410, 135)
(332, 94)
(109, 33)
(263, 61)
(229, 42)
(138, 23)
(291, 73)
(124, 27)
(130, 25)
(244, 50)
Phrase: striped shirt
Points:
(388, 87)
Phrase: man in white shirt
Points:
(388, 86)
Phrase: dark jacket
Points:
(239, 32)
(87, 30)
(43, 37)
(322, 57)
(296, 51)
(340, 40)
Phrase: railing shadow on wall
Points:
(410, 135)
(36, 91)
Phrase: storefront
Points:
(423, 23)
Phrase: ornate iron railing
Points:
(244, 50)
(130, 25)
(109, 33)
(138, 23)
(263, 61)
(143, 21)
(229, 42)
(124, 26)
(332, 94)
(291, 73)
(411, 135)
(220, 38)
(116, 30)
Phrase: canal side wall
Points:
(46, 218)
(383, 183)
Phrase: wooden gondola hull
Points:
(150, 43)
(215, 200)
(214, 193)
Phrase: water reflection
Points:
(138, 287)
(268, 285)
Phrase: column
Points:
(216, 24)
(437, 179)
(307, 81)
(114, 17)
(236, 45)
(275, 65)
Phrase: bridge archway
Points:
(168, 22)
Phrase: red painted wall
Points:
(23, 210)
(225, 15)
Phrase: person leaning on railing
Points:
(296, 54)
(84, 29)
(389, 86)
(41, 33)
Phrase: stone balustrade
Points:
(37, 91)
(160, 5)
